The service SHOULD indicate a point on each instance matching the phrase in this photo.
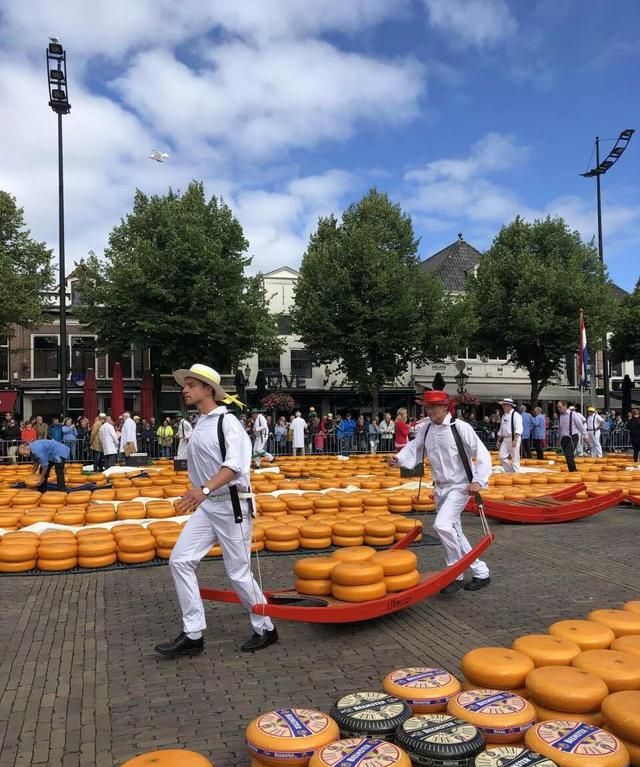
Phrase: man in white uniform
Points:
(434, 440)
(128, 436)
(298, 426)
(218, 517)
(109, 438)
(184, 432)
(594, 423)
(509, 436)
(261, 434)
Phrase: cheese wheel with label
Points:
(573, 744)
(512, 756)
(544, 714)
(629, 644)
(501, 716)
(440, 739)
(621, 712)
(395, 562)
(169, 757)
(314, 568)
(521, 691)
(426, 690)
(289, 736)
(360, 752)
(621, 622)
(618, 670)
(496, 667)
(588, 635)
(546, 650)
(369, 714)
(566, 688)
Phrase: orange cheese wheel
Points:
(396, 562)
(374, 540)
(621, 622)
(315, 544)
(97, 561)
(291, 545)
(355, 554)
(500, 715)
(566, 688)
(360, 752)
(629, 644)
(546, 650)
(17, 552)
(633, 749)
(618, 670)
(314, 568)
(133, 544)
(52, 565)
(133, 558)
(314, 587)
(359, 593)
(348, 529)
(379, 528)
(356, 573)
(588, 635)
(167, 540)
(281, 533)
(289, 736)
(315, 530)
(322, 502)
(163, 553)
(18, 567)
(401, 582)
(344, 541)
(57, 550)
(95, 515)
(69, 518)
(406, 525)
(426, 690)
(101, 548)
(621, 712)
(544, 714)
(496, 667)
(633, 607)
(573, 744)
(20, 535)
(169, 757)
(297, 504)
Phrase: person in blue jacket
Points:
(47, 454)
(527, 425)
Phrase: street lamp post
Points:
(462, 378)
(59, 102)
(599, 170)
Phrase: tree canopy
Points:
(173, 279)
(527, 293)
(26, 271)
(625, 341)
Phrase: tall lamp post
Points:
(462, 378)
(59, 102)
(598, 170)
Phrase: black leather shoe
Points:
(259, 641)
(452, 588)
(475, 584)
(181, 645)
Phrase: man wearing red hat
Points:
(435, 440)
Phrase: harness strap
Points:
(233, 489)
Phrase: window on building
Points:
(83, 354)
(130, 362)
(45, 356)
(636, 368)
(76, 296)
(284, 325)
(269, 365)
(101, 366)
(616, 370)
(300, 363)
(4, 359)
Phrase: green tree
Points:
(625, 341)
(527, 293)
(25, 269)
(362, 303)
(173, 279)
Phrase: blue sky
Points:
(467, 112)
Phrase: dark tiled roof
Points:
(453, 263)
(617, 292)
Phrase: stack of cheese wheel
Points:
(566, 692)
(281, 538)
(360, 752)
(496, 668)
(621, 622)
(57, 550)
(618, 670)
(347, 533)
(357, 581)
(96, 548)
(400, 569)
(426, 690)
(130, 510)
(18, 552)
(159, 509)
(440, 739)
(500, 715)
(379, 532)
(546, 650)
(621, 713)
(169, 757)
(369, 714)
(354, 554)
(315, 535)
(313, 575)
(400, 503)
(404, 526)
(100, 512)
(499, 756)
(576, 744)
(135, 544)
(588, 635)
(289, 737)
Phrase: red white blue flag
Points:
(583, 356)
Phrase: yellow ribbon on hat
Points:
(232, 399)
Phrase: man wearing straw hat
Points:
(509, 436)
(436, 441)
(594, 424)
(218, 461)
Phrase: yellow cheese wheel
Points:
(315, 530)
(396, 562)
(379, 528)
(96, 515)
(356, 573)
(69, 518)
(99, 548)
(546, 650)
(618, 670)
(170, 757)
(586, 634)
(621, 622)
(621, 712)
(496, 667)
(426, 690)
(315, 587)
(359, 593)
(374, 540)
(18, 567)
(573, 744)
(132, 544)
(163, 553)
(356, 554)
(314, 568)
(630, 644)
(17, 552)
(341, 540)
(167, 540)
(633, 749)
(360, 752)
(500, 715)
(98, 561)
(58, 550)
(544, 714)
(348, 529)
(131, 558)
(282, 545)
(633, 607)
(566, 688)
(315, 544)
(401, 582)
(52, 565)
(289, 736)
(281, 533)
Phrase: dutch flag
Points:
(583, 357)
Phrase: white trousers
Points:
(204, 529)
(595, 444)
(450, 503)
(510, 454)
(182, 448)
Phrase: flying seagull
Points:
(54, 40)
(158, 156)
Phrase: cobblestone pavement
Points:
(80, 684)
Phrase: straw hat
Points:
(506, 401)
(205, 374)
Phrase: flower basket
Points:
(282, 403)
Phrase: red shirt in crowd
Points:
(28, 433)
(402, 433)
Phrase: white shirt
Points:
(505, 425)
(108, 438)
(443, 455)
(387, 429)
(128, 434)
(298, 426)
(570, 423)
(593, 422)
(260, 427)
(185, 429)
(204, 458)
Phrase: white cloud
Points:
(472, 22)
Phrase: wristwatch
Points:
(205, 490)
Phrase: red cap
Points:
(433, 398)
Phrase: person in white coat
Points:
(218, 462)
(184, 432)
(594, 424)
(109, 439)
(509, 436)
(260, 429)
(434, 440)
(298, 426)
(128, 436)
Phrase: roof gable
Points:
(453, 264)
(282, 272)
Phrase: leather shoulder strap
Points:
(513, 428)
(463, 453)
(221, 440)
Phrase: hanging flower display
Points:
(283, 403)
(466, 400)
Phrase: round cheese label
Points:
(439, 728)
(577, 738)
(421, 678)
(491, 702)
(370, 706)
(359, 752)
(293, 722)
(511, 756)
